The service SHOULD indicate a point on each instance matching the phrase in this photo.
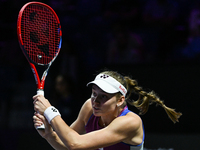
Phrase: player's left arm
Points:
(121, 129)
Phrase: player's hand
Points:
(40, 103)
(38, 121)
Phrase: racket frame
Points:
(39, 82)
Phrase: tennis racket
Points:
(40, 37)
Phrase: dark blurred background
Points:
(156, 42)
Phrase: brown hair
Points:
(145, 98)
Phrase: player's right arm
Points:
(78, 125)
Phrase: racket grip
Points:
(42, 127)
(40, 92)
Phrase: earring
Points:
(118, 105)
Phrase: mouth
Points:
(96, 111)
(96, 108)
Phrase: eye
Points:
(94, 94)
(104, 96)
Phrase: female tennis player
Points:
(104, 121)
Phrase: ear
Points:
(120, 101)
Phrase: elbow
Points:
(77, 147)
(74, 146)
(75, 142)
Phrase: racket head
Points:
(39, 33)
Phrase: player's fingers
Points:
(36, 118)
(35, 97)
(40, 99)
(35, 107)
(34, 101)
(39, 116)
(37, 121)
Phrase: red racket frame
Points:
(39, 83)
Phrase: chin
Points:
(97, 114)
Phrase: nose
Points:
(95, 100)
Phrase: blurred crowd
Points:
(96, 34)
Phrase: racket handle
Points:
(40, 92)
(42, 127)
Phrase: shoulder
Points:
(134, 121)
(128, 127)
(130, 122)
(132, 127)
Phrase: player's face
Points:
(102, 103)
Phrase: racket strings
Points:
(40, 34)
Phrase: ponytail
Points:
(147, 98)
